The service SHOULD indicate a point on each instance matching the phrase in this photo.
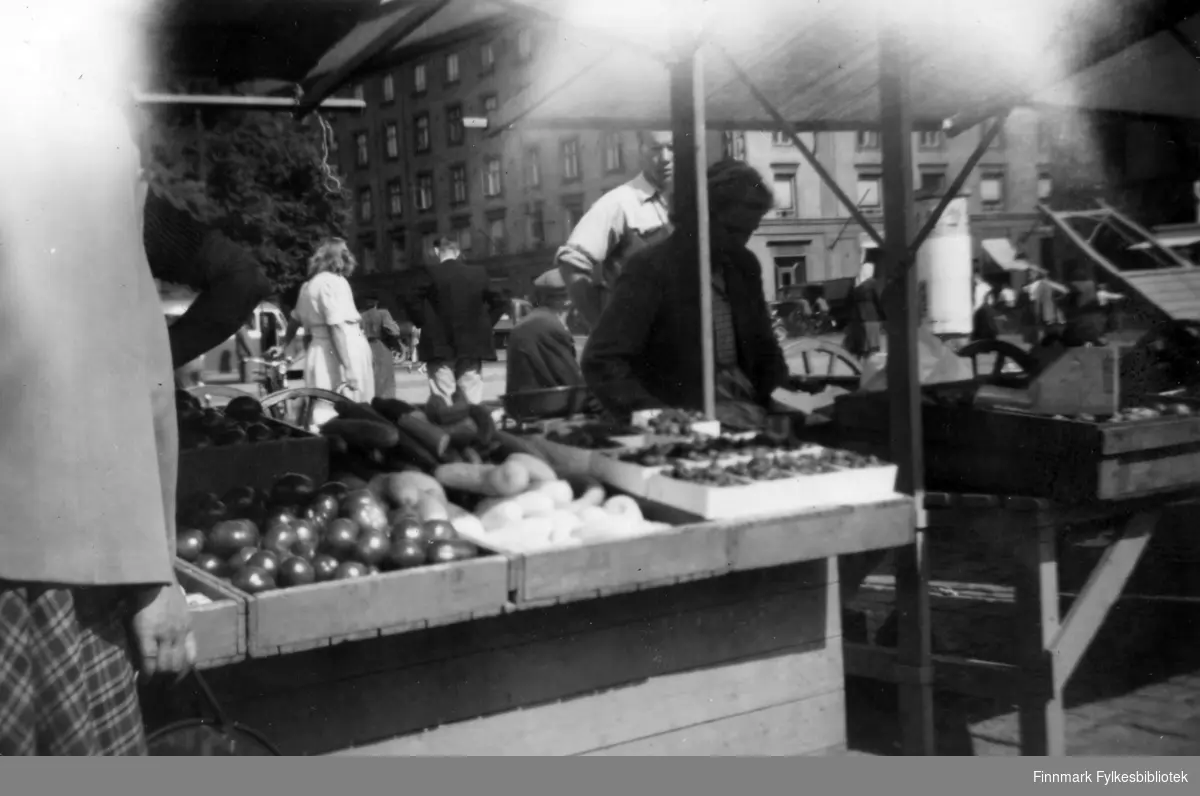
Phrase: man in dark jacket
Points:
(541, 350)
(645, 351)
(456, 308)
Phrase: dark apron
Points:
(611, 268)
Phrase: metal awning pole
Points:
(234, 102)
(913, 653)
(690, 196)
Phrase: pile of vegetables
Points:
(390, 435)
(242, 421)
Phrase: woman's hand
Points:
(350, 384)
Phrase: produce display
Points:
(810, 460)
(241, 421)
(1152, 411)
(297, 533)
(673, 422)
(592, 436)
(703, 449)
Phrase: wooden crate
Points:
(219, 626)
(218, 469)
(745, 664)
(288, 620)
(1007, 452)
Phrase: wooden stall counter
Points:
(711, 638)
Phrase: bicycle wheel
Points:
(214, 736)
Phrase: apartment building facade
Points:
(417, 171)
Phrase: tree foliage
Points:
(260, 177)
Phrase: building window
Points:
(785, 195)
(362, 150)
(458, 184)
(452, 68)
(490, 103)
(365, 210)
(570, 159)
(733, 144)
(535, 226)
(422, 132)
(391, 134)
(420, 82)
(525, 44)
(868, 188)
(367, 257)
(425, 192)
(395, 198)
(572, 212)
(868, 139)
(991, 190)
(359, 92)
(780, 138)
(497, 242)
(428, 244)
(614, 153)
(1045, 186)
(454, 125)
(487, 57)
(399, 252)
(389, 88)
(493, 184)
(932, 181)
(533, 167)
(931, 139)
(462, 233)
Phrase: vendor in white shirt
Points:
(621, 222)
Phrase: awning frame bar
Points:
(235, 102)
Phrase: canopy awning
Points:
(232, 41)
(1172, 240)
(1002, 253)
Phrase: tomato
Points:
(212, 564)
(296, 571)
(348, 570)
(436, 531)
(252, 580)
(280, 539)
(372, 548)
(266, 560)
(325, 567)
(341, 537)
(229, 536)
(189, 544)
(293, 489)
(406, 553)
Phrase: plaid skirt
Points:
(68, 685)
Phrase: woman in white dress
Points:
(339, 356)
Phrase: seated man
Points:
(541, 350)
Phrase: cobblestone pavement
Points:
(1137, 691)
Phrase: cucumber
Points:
(349, 410)
(510, 444)
(484, 422)
(443, 414)
(409, 451)
(462, 433)
(432, 438)
(392, 408)
(367, 434)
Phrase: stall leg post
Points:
(914, 653)
(1040, 706)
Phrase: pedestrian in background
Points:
(864, 332)
(541, 350)
(621, 222)
(456, 308)
(381, 331)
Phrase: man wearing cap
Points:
(620, 223)
(456, 308)
(541, 350)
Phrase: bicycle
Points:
(273, 379)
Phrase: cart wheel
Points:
(206, 392)
(808, 356)
(300, 403)
(1009, 362)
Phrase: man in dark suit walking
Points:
(456, 308)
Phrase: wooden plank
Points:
(1041, 717)
(686, 550)
(951, 673)
(641, 710)
(340, 609)
(821, 534)
(465, 682)
(219, 626)
(1119, 479)
(1079, 381)
(1099, 594)
(802, 727)
(1147, 435)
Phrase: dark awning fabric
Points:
(233, 41)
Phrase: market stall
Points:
(540, 595)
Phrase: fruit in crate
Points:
(240, 422)
(675, 422)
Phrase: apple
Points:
(408, 528)
(229, 536)
(212, 564)
(252, 580)
(406, 553)
(324, 567)
(266, 560)
(372, 548)
(296, 571)
(436, 531)
(446, 551)
(239, 559)
(348, 570)
(189, 543)
(341, 537)
(280, 539)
